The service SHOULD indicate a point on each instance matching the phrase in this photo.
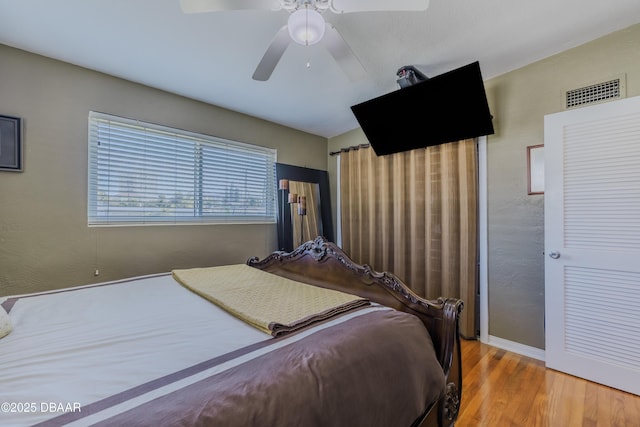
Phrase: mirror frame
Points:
(301, 174)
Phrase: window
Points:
(141, 173)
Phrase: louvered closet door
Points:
(592, 243)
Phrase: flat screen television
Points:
(445, 108)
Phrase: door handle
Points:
(554, 254)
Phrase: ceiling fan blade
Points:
(200, 6)
(272, 55)
(346, 6)
(342, 53)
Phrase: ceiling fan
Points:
(306, 26)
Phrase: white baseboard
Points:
(515, 347)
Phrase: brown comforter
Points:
(376, 369)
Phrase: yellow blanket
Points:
(271, 303)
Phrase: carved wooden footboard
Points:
(324, 264)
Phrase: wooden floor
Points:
(504, 389)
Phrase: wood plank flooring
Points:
(504, 389)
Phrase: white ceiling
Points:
(211, 57)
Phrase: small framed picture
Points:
(535, 169)
(10, 144)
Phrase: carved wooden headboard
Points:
(324, 264)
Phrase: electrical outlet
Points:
(96, 273)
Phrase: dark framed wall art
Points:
(10, 144)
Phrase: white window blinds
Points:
(141, 173)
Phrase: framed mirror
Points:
(304, 205)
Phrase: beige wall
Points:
(519, 100)
(45, 242)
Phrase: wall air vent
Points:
(595, 93)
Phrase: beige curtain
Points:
(415, 214)
(305, 227)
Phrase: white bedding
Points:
(104, 340)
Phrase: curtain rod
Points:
(353, 147)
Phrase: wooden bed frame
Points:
(324, 264)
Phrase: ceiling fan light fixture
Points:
(306, 26)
